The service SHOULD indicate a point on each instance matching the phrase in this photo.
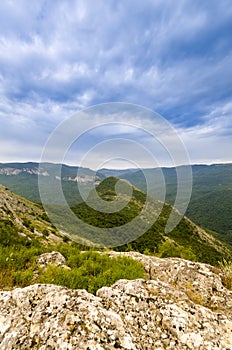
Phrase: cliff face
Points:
(183, 305)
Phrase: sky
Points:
(58, 58)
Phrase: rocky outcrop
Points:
(202, 283)
(173, 310)
(28, 218)
(53, 258)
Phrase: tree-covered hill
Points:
(211, 200)
(186, 240)
(22, 179)
(210, 205)
(214, 211)
(26, 233)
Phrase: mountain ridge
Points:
(208, 180)
(186, 238)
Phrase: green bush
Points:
(23, 278)
(170, 249)
(226, 267)
(91, 271)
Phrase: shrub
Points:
(92, 271)
(226, 267)
(171, 249)
(27, 222)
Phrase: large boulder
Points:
(182, 305)
(132, 315)
(202, 283)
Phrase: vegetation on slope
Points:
(211, 201)
(185, 241)
(214, 211)
(25, 233)
(22, 179)
(210, 205)
(89, 270)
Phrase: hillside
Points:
(187, 240)
(25, 218)
(211, 200)
(206, 178)
(210, 185)
(22, 178)
(214, 211)
(27, 238)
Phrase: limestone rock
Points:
(132, 315)
(52, 317)
(201, 282)
(183, 306)
(53, 258)
(160, 317)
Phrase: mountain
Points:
(115, 172)
(214, 211)
(22, 178)
(26, 221)
(210, 204)
(206, 179)
(186, 240)
(211, 199)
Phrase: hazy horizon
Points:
(76, 165)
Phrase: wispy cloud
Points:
(61, 56)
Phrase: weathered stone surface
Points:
(201, 282)
(52, 317)
(160, 317)
(53, 258)
(171, 311)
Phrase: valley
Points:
(210, 205)
(178, 279)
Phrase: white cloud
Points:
(58, 57)
(211, 141)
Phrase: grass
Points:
(226, 267)
(89, 270)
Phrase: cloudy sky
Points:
(60, 57)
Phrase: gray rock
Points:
(53, 258)
(201, 282)
(175, 309)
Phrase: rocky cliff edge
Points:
(182, 305)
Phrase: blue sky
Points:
(59, 57)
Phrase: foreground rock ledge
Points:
(162, 313)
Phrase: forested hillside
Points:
(26, 233)
(186, 240)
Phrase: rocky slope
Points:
(182, 305)
(28, 218)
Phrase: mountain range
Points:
(111, 298)
(186, 240)
(210, 205)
